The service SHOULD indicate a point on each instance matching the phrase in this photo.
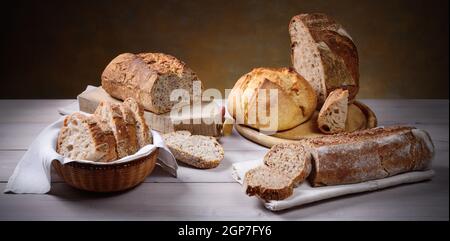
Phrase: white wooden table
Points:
(212, 194)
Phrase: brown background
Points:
(53, 49)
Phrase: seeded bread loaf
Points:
(324, 54)
(149, 78)
(369, 154)
(333, 114)
(81, 138)
(296, 99)
(195, 150)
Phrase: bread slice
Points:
(144, 136)
(285, 165)
(111, 115)
(333, 115)
(81, 138)
(267, 183)
(324, 54)
(130, 123)
(195, 150)
(290, 159)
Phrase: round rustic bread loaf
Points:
(296, 99)
(324, 54)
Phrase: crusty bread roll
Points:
(296, 99)
(324, 54)
(369, 154)
(149, 78)
(81, 138)
(333, 114)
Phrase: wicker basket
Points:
(107, 177)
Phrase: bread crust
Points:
(144, 136)
(338, 53)
(370, 154)
(143, 76)
(296, 98)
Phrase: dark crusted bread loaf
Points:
(82, 138)
(369, 154)
(149, 78)
(324, 54)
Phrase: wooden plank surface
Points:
(212, 194)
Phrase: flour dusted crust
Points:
(370, 154)
(324, 54)
(296, 98)
(82, 138)
(149, 78)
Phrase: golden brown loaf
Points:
(296, 99)
(149, 78)
(324, 54)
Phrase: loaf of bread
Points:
(285, 166)
(324, 54)
(82, 138)
(149, 78)
(369, 154)
(340, 159)
(333, 114)
(195, 150)
(296, 100)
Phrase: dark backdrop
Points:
(53, 49)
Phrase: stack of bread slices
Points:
(112, 132)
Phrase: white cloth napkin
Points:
(32, 174)
(304, 193)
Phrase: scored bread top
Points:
(296, 98)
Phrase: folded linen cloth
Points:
(304, 193)
(32, 174)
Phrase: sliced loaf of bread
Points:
(111, 115)
(195, 150)
(144, 136)
(285, 165)
(82, 138)
(333, 114)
